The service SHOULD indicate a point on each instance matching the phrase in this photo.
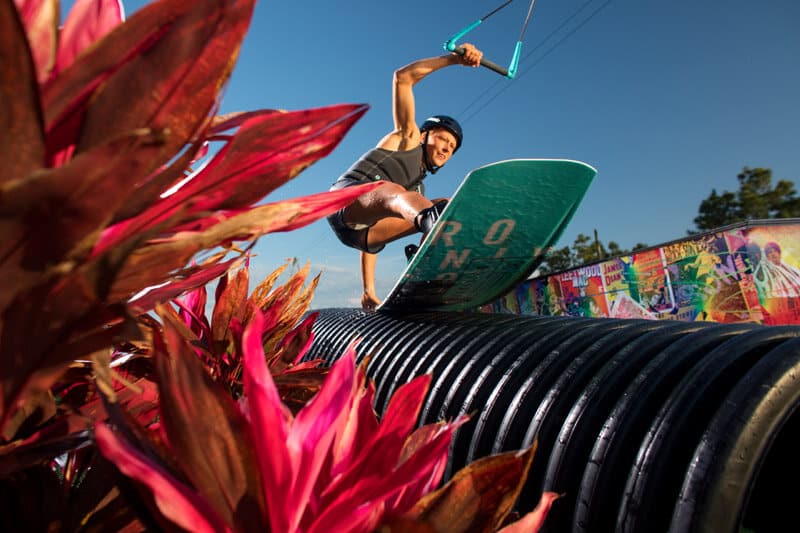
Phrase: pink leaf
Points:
(178, 502)
(315, 426)
(302, 333)
(269, 421)
(233, 184)
(372, 487)
(533, 521)
(397, 422)
(223, 123)
(267, 151)
(194, 277)
(192, 311)
(41, 24)
(87, 22)
(157, 261)
(362, 425)
(205, 427)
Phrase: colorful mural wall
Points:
(747, 272)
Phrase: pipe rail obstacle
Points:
(642, 425)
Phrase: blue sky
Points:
(668, 100)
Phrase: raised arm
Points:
(405, 135)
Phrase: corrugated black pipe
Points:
(642, 425)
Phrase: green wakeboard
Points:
(492, 235)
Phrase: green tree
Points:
(584, 250)
(755, 199)
(557, 259)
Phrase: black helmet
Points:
(448, 123)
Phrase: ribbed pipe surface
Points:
(641, 425)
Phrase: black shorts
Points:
(354, 238)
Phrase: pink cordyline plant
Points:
(218, 339)
(103, 121)
(110, 205)
(253, 466)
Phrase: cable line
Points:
(539, 60)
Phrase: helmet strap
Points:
(430, 167)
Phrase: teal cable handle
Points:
(451, 46)
(512, 67)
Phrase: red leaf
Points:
(149, 192)
(297, 342)
(300, 139)
(191, 278)
(190, 51)
(192, 311)
(87, 22)
(47, 327)
(178, 502)
(22, 149)
(230, 305)
(55, 216)
(207, 431)
(269, 421)
(533, 521)
(63, 434)
(320, 205)
(480, 495)
(196, 301)
(222, 123)
(267, 151)
(158, 262)
(176, 84)
(64, 97)
(41, 21)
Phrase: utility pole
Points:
(597, 251)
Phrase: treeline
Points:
(756, 198)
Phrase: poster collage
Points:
(748, 272)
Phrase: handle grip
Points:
(491, 65)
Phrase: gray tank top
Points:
(401, 167)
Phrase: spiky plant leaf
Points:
(176, 55)
(51, 219)
(479, 496)
(207, 432)
(231, 295)
(175, 499)
(270, 149)
(40, 18)
(294, 344)
(188, 279)
(22, 149)
(534, 520)
(86, 23)
(317, 132)
(161, 260)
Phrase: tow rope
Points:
(452, 46)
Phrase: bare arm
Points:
(368, 298)
(406, 132)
